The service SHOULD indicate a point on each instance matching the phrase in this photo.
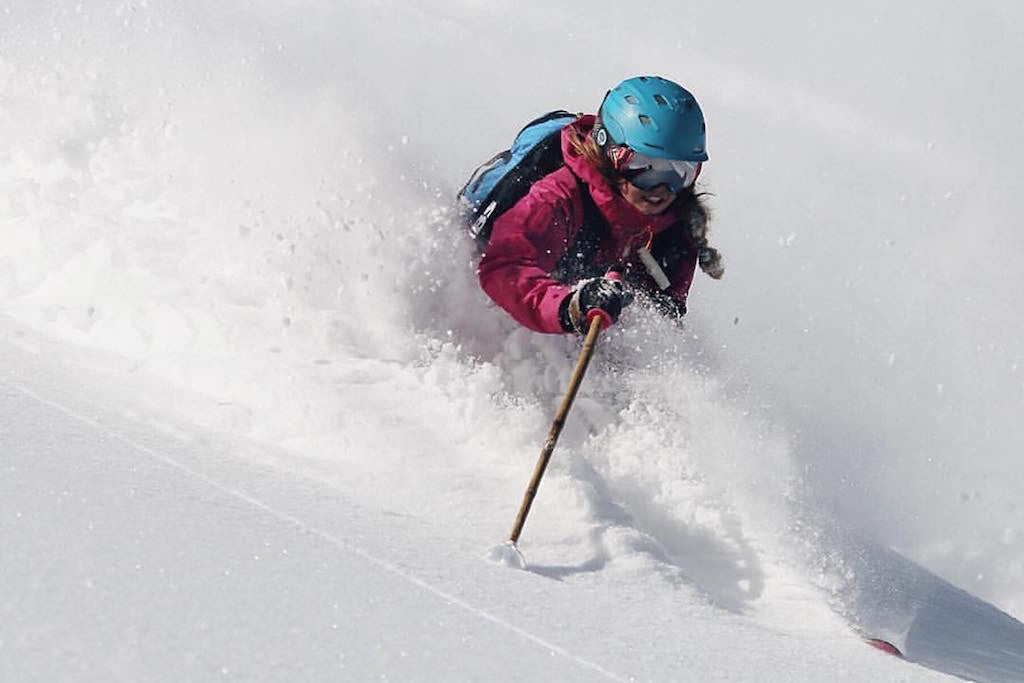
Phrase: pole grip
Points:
(606, 318)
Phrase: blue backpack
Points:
(499, 183)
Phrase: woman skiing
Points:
(624, 200)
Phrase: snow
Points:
(259, 422)
(135, 551)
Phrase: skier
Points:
(624, 200)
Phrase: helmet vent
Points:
(655, 116)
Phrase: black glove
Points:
(601, 293)
(711, 262)
(668, 305)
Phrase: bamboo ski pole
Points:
(596, 322)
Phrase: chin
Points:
(649, 210)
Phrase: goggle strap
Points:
(620, 156)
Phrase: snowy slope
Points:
(136, 551)
(249, 204)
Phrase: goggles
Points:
(648, 172)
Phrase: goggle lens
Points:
(648, 173)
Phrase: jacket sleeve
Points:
(526, 244)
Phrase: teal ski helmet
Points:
(653, 116)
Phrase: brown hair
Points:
(585, 146)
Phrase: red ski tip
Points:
(884, 646)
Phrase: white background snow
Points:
(259, 423)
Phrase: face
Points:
(647, 202)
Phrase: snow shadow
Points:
(934, 623)
(596, 562)
(726, 570)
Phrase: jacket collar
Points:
(624, 219)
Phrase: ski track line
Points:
(324, 535)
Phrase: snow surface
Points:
(135, 551)
(240, 321)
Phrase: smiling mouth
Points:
(653, 199)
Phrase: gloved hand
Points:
(711, 262)
(605, 294)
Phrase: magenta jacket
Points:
(529, 239)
